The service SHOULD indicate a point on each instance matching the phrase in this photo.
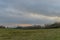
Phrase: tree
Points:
(2, 26)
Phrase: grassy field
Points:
(36, 34)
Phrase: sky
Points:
(29, 11)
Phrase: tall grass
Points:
(36, 34)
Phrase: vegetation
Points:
(28, 27)
(2, 26)
(54, 25)
(46, 26)
(36, 34)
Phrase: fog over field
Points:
(29, 11)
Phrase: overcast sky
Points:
(29, 11)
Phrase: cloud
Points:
(47, 7)
(29, 11)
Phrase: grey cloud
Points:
(17, 11)
(44, 7)
(24, 20)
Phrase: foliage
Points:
(2, 26)
(46, 26)
(54, 25)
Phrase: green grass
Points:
(36, 34)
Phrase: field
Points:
(34, 34)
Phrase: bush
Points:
(2, 26)
(54, 25)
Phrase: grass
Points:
(36, 34)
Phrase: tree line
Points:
(46, 26)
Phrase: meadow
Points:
(30, 34)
